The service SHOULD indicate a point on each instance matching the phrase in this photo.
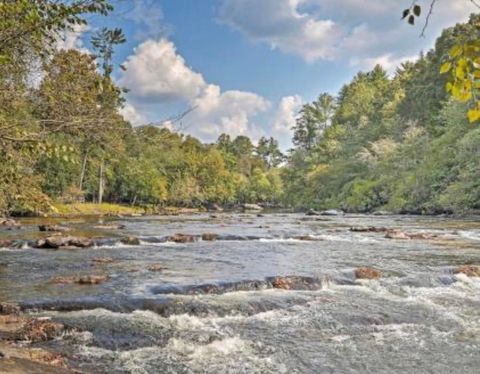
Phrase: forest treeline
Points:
(383, 143)
(62, 137)
(396, 143)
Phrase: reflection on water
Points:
(213, 307)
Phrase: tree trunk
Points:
(84, 167)
(101, 182)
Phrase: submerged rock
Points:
(368, 229)
(306, 238)
(209, 237)
(131, 240)
(103, 260)
(396, 234)
(367, 273)
(312, 212)
(182, 238)
(83, 279)
(56, 242)
(468, 270)
(155, 267)
(54, 228)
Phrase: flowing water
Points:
(213, 308)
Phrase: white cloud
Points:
(284, 119)
(156, 73)
(72, 39)
(357, 31)
(130, 113)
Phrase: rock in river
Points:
(54, 228)
(367, 273)
(468, 270)
(182, 238)
(209, 236)
(130, 240)
(57, 241)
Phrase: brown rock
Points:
(209, 237)
(5, 243)
(305, 237)
(102, 260)
(57, 241)
(155, 267)
(367, 273)
(9, 308)
(91, 279)
(182, 238)
(130, 240)
(468, 270)
(39, 330)
(282, 283)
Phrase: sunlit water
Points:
(213, 309)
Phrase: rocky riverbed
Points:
(240, 293)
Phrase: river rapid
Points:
(213, 308)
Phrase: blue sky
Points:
(246, 66)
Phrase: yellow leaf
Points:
(449, 86)
(455, 51)
(445, 67)
(473, 115)
(460, 72)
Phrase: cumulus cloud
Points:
(130, 114)
(352, 30)
(72, 39)
(157, 73)
(284, 119)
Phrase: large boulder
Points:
(57, 241)
(312, 212)
(367, 273)
(182, 238)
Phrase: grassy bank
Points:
(91, 209)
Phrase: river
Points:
(213, 309)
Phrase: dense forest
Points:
(396, 143)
